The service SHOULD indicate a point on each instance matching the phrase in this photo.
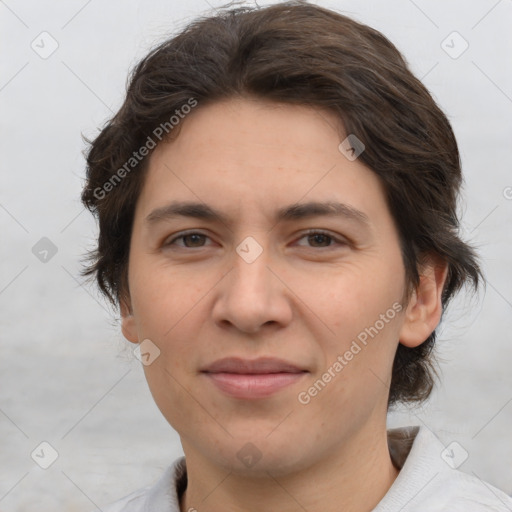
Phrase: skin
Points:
(303, 299)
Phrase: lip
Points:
(252, 379)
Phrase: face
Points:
(261, 268)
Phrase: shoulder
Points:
(161, 497)
(455, 491)
(428, 482)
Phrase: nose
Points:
(252, 296)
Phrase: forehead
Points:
(255, 154)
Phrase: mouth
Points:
(252, 379)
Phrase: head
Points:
(251, 114)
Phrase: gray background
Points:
(66, 374)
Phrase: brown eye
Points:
(321, 239)
(195, 239)
(188, 240)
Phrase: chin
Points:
(263, 456)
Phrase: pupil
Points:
(319, 238)
(194, 238)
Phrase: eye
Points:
(319, 238)
(315, 239)
(190, 240)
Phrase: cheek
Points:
(169, 390)
(163, 298)
(363, 310)
(355, 296)
(170, 311)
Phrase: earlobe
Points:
(423, 313)
(128, 325)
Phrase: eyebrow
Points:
(295, 211)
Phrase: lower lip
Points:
(250, 386)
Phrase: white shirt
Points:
(426, 482)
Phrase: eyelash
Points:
(308, 233)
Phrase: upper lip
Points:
(252, 366)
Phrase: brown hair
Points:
(295, 53)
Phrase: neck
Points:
(354, 478)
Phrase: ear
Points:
(128, 326)
(423, 313)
